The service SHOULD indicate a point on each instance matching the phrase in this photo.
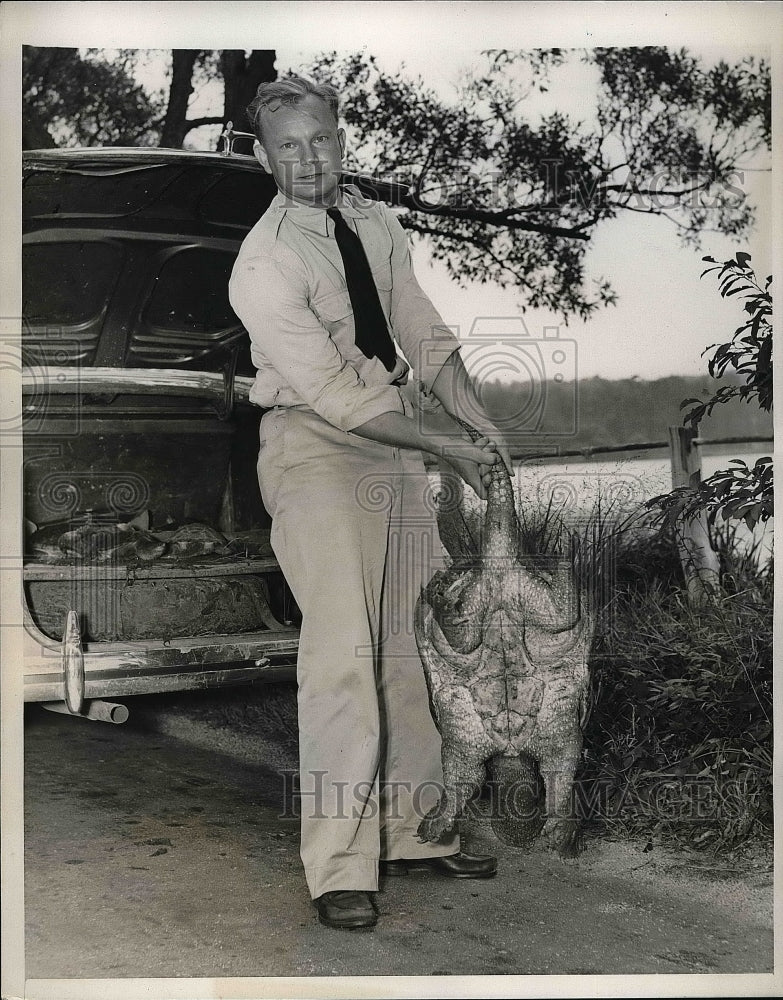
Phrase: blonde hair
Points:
(290, 90)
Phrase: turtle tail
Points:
(517, 799)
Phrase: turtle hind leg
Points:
(562, 828)
(517, 799)
(465, 748)
(463, 775)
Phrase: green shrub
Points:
(679, 738)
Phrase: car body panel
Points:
(135, 398)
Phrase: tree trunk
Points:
(241, 77)
(175, 128)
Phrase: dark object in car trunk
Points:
(159, 606)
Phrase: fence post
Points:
(699, 560)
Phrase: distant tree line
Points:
(617, 411)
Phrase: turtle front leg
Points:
(561, 828)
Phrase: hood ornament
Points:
(228, 137)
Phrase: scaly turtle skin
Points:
(504, 647)
(103, 543)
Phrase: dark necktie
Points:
(372, 332)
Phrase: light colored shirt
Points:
(288, 289)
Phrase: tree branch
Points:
(500, 219)
(418, 227)
(669, 193)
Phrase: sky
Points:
(666, 316)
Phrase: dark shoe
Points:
(452, 865)
(347, 908)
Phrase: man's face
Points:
(302, 149)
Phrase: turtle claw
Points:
(562, 836)
(434, 825)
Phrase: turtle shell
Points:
(195, 539)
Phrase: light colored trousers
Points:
(356, 540)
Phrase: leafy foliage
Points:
(680, 737)
(76, 99)
(685, 131)
(507, 198)
(73, 97)
(738, 491)
(749, 352)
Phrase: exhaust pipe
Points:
(97, 710)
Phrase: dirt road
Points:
(148, 856)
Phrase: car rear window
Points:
(127, 264)
(187, 319)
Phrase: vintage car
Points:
(147, 559)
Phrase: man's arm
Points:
(273, 306)
(454, 388)
(439, 435)
(430, 345)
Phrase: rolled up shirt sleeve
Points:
(424, 337)
(271, 300)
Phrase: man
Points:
(341, 474)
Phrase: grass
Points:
(679, 741)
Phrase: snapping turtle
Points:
(504, 644)
(195, 539)
(103, 543)
(94, 538)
